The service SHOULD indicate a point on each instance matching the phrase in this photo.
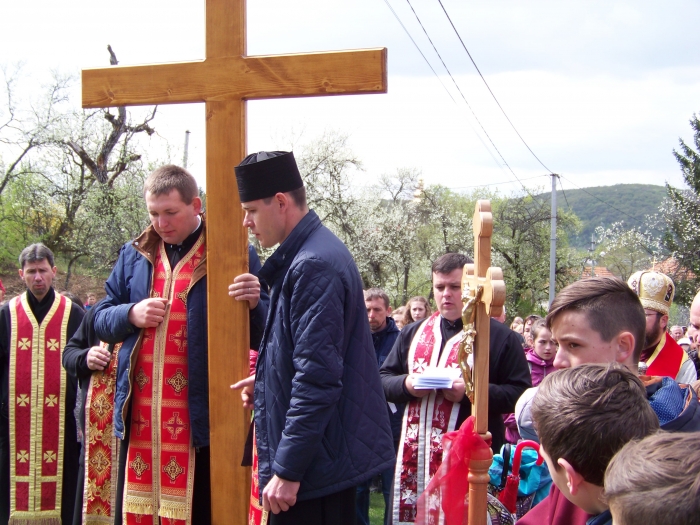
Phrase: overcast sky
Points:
(600, 90)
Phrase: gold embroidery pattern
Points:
(139, 465)
(140, 423)
(141, 379)
(51, 400)
(49, 456)
(173, 469)
(178, 381)
(175, 425)
(180, 339)
(100, 462)
(23, 400)
(24, 344)
(52, 344)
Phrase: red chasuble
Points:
(160, 464)
(667, 359)
(37, 390)
(425, 422)
(101, 446)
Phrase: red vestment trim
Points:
(160, 463)
(36, 399)
(667, 359)
(425, 422)
(101, 446)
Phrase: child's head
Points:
(91, 299)
(542, 343)
(656, 480)
(597, 320)
(583, 416)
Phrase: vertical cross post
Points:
(482, 276)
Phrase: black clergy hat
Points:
(264, 174)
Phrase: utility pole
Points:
(187, 145)
(553, 243)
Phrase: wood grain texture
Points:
(226, 28)
(235, 78)
(227, 256)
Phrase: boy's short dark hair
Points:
(587, 413)
(449, 262)
(609, 305)
(377, 293)
(656, 480)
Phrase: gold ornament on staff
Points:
(466, 344)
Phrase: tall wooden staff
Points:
(483, 296)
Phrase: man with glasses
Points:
(661, 356)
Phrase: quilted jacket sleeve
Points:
(112, 313)
(317, 325)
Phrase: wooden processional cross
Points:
(484, 290)
(224, 81)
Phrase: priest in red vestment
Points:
(38, 439)
(661, 356)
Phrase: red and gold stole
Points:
(256, 514)
(160, 464)
(101, 446)
(425, 421)
(667, 358)
(36, 399)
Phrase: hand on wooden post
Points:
(246, 387)
(246, 287)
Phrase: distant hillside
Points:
(635, 200)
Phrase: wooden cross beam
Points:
(224, 80)
(485, 283)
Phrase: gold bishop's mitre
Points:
(655, 290)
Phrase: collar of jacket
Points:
(389, 328)
(148, 244)
(279, 262)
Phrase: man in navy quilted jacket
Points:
(321, 422)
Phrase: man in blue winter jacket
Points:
(321, 421)
(156, 304)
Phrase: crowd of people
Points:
(105, 406)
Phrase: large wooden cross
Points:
(224, 80)
(485, 285)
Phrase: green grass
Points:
(376, 508)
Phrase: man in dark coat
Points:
(320, 416)
(384, 334)
(429, 414)
(37, 324)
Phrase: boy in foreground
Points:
(655, 480)
(601, 320)
(584, 415)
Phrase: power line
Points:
(601, 200)
(463, 97)
(496, 183)
(418, 48)
(564, 193)
(439, 79)
(489, 87)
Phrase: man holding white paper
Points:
(430, 413)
